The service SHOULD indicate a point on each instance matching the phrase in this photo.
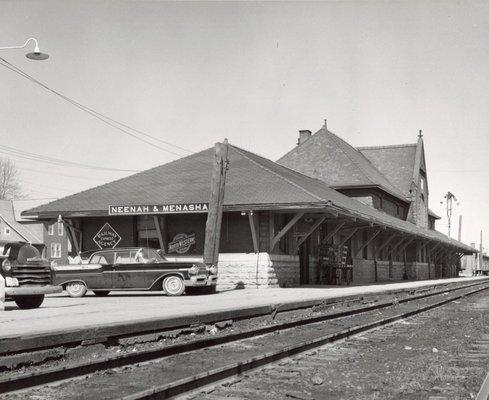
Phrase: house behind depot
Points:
(47, 236)
(325, 213)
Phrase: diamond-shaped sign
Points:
(107, 237)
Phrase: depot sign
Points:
(186, 208)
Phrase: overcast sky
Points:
(195, 73)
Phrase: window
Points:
(6, 231)
(102, 258)
(51, 229)
(55, 250)
(60, 229)
(126, 257)
(99, 259)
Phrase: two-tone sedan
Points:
(135, 268)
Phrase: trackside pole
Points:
(214, 216)
(2, 293)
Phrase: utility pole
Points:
(460, 228)
(480, 254)
(214, 216)
(449, 197)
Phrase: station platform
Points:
(60, 313)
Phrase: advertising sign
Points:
(181, 243)
(107, 237)
(140, 209)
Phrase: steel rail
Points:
(55, 374)
(483, 393)
(188, 384)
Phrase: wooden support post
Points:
(164, 232)
(438, 252)
(434, 248)
(214, 216)
(354, 230)
(254, 232)
(271, 229)
(425, 244)
(158, 232)
(333, 232)
(405, 245)
(71, 233)
(385, 244)
(367, 243)
(310, 231)
(394, 248)
(285, 229)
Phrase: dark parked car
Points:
(135, 268)
(28, 276)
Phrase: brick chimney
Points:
(303, 136)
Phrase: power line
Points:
(11, 151)
(42, 198)
(55, 173)
(107, 120)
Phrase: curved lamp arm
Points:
(36, 49)
(36, 55)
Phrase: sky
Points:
(194, 73)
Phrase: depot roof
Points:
(329, 158)
(253, 182)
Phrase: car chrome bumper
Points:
(31, 290)
(196, 281)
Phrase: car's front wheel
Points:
(76, 289)
(101, 292)
(173, 285)
(29, 302)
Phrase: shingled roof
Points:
(252, 181)
(329, 158)
(396, 163)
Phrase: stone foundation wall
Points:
(283, 270)
(417, 271)
(261, 270)
(382, 271)
(398, 270)
(363, 271)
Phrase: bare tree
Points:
(9, 180)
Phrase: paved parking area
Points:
(62, 312)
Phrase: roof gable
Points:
(327, 157)
(395, 162)
(7, 214)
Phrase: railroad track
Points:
(220, 357)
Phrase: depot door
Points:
(304, 261)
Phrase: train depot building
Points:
(324, 213)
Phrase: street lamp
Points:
(35, 55)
